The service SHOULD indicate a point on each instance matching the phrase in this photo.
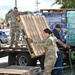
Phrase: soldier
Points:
(13, 15)
(50, 47)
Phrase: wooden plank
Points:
(33, 33)
(37, 37)
(27, 24)
(24, 21)
(38, 32)
(13, 71)
(20, 70)
(41, 27)
(34, 26)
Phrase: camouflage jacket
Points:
(49, 45)
(13, 17)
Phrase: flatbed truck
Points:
(19, 56)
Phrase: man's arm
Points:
(22, 13)
(6, 18)
(61, 43)
(58, 38)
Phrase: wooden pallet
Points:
(56, 10)
(53, 10)
(34, 26)
(20, 70)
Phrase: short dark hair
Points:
(47, 31)
(57, 26)
(15, 7)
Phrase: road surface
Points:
(4, 63)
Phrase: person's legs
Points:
(59, 63)
(41, 59)
(49, 67)
(17, 36)
(12, 34)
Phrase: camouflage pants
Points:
(50, 61)
(14, 33)
(49, 65)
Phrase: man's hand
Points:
(62, 44)
(26, 37)
(65, 46)
(32, 41)
(18, 19)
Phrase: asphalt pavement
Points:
(4, 62)
(66, 71)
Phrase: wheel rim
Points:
(23, 61)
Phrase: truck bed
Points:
(7, 49)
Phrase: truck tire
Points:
(12, 59)
(24, 59)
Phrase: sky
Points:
(25, 5)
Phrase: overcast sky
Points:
(25, 5)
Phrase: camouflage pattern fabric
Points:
(14, 24)
(14, 33)
(49, 62)
(50, 56)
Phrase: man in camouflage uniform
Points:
(13, 15)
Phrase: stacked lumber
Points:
(34, 26)
(20, 70)
(13, 72)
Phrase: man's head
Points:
(57, 27)
(15, 9)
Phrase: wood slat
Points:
(34, 34)
(20, 70)
(25, 23)
(34, 26)
(13, 71)
(37, 25)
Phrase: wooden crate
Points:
(34, 26)
(20, 70)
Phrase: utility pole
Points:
(37, 5)
(15, 3)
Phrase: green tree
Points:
(66, 3)
(2, 21)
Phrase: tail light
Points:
(5, 36)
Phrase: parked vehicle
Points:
(3, 37)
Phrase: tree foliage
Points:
(66, 3)
(2, 21)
